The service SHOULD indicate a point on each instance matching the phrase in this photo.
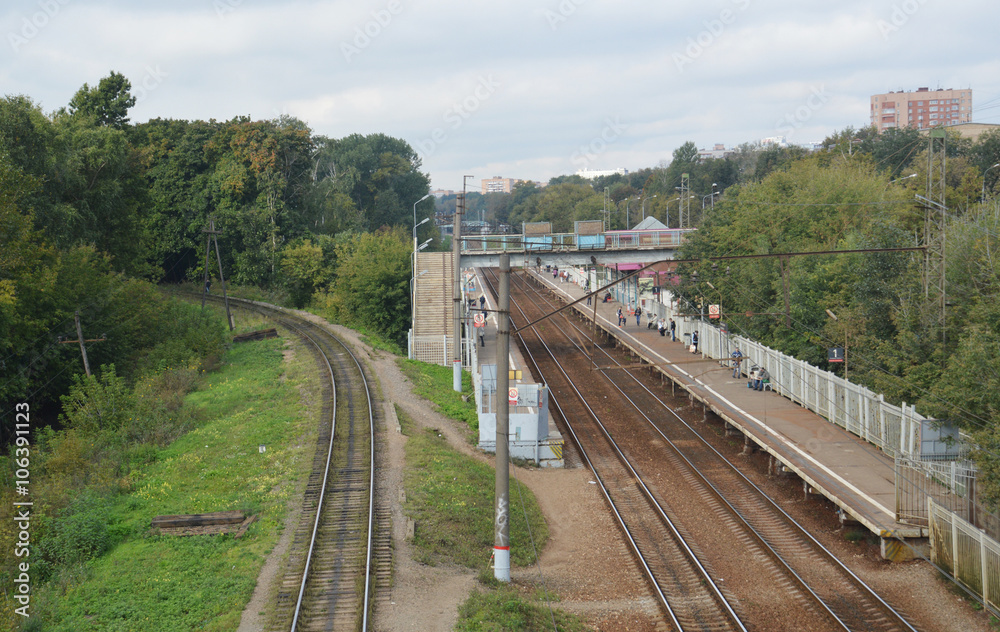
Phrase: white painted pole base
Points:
(456, 376)
(501, 564)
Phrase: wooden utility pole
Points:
(212, 235)
(81, 340)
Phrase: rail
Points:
(819, 573)
(336, 481)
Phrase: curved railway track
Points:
(816, 590)
(335, 556)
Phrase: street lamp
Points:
(912, 175)
(984, 180)
(413, 263)
(415, 224)
(644, 206)
(627, 201)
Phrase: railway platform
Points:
(852, 473)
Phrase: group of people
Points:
(622, 316)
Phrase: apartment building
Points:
(497, 184)
(922, 109)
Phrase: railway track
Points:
(730, 521)
(336, 558)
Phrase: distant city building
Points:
(921, 109)
(973, 130)
(777, 141)
(590, 174)
(440, 193)
(497, 184)
(717, 152)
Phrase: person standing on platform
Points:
(638, 314)
(673, 331)
(694, 342)
(482, 301)
(588, 297)
(737, 359)
(661, 327)
(621, 317)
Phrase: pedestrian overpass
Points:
(572, 249)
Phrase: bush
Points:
(80, 534)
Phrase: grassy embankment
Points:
(167, 583)
(450, 498)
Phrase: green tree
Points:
(370, 287)
(304, 270)
(108, 103)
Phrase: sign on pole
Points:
(835, 354)
(512, 395)
(479, 320)
(713, 311)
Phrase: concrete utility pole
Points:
(212, 235)
(501, 540)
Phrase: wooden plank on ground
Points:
(244, 526)
(199, 520)
(256, 335)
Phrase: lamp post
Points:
(413, 262)
(627, 202)
(415, 224)
(984, 180)
(709, 284)
(715, 186)
(644, 205)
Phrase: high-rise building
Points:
(921, 109)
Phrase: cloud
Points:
(564, 67)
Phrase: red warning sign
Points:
(713, 311)
(512, 395)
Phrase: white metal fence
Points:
(894, 429)
(966, 553)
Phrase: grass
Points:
(450, 497)
(508, 608)
(434, 383)
(150, 582)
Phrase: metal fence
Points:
(951, 484)
(894, 429)
(966, 553)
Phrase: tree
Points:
(303, 267)
(108, 103)
(370, 287)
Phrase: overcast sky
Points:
(511, 87)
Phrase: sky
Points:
(512, 88)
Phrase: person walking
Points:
(482, 301)
(638, 314)
(621, 317)
(737, 359)
(673, 331)
(588, 298)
